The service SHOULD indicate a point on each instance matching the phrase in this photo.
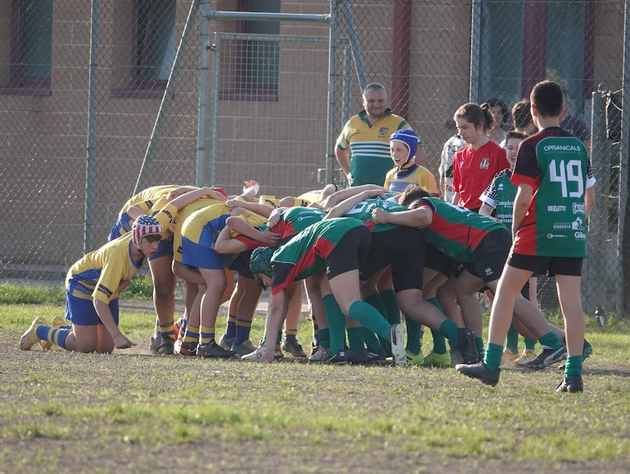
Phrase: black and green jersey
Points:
(305, 254)
(363, 212)
(556, 165)
(500, 195)
(456, 231)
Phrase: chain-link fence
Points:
(93, 110)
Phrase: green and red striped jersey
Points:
(456, 231)
(556, 165)
(305, 254)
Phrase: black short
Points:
(350, 253)
(440, 262)
(490, 256)
(403, 248)
(570, 266)
(241, 264)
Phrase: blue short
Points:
(122, 226)
(165, 249)
(201, 254)
(82, 312)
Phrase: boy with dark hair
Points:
(555, 195)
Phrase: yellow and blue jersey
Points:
(397, 180)
(147, 198)
(182, 215)
(199, 224)
(369, 146)
(98, 274)
(201, 229)
(150, 199)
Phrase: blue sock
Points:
(230, 332)
(241, 333)
(57, 335)
(42, 332)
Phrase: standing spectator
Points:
(498, 110)
(362, 149)
(451, 146)
(479, 161)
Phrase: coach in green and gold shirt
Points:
(362, 149)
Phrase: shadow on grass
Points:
(607, 371)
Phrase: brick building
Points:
(271, 100)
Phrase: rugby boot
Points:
(480, 372)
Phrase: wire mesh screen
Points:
(125, 118)
(43, 97)
(419, 51)
(145, 123)
(270, 111)
(67, 116)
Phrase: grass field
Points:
(130, 412)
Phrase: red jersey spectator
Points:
(479, 161)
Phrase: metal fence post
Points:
(90, 158)
(201, 167)
(475, 50)
(594, 272)
(214, 109)
(330, 116)
(623, 158)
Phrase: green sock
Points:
(512, 339)
(492, 357)
(323, 338)
(375, 300)
(530, 344)
(479, 344)
(369, 317)
(392, 312)
(551, 340)
(371, 341)
(414, 336)
(439, 342)
(449, 330)
(573, 367)
(355, 339)
(336, 324)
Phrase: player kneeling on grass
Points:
(93, 285)
(555, 194)
(338, 247)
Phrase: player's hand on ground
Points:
(379, 216)
(122, 342)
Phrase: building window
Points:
(154, 43)
(30, 45)
(526, 42)
(250, 67)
